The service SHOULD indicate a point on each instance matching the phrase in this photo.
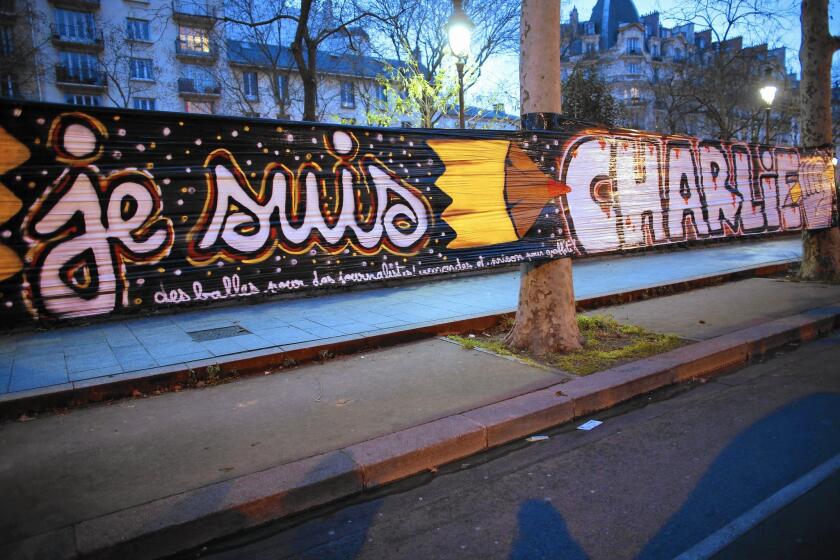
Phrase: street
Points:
(660, 475)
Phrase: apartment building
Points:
(637, 54)
(180, 55)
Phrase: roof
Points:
(355, 65)
(612, 12)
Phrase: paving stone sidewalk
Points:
(35, 360)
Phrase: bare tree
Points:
(266, 54)
(820, 248)
(414, 32)
(21, 41)
(316, 22)
(718, 87)
(545, 319)
(129, 66)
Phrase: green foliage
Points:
(410, 92)
(586, 96)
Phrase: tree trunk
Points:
(545, 319)
(820, 248)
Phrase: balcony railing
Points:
(195, 52)
(80, 77)
(83, 4)
(634, 51)
(76, 35)
(195, 12)
(190, 86)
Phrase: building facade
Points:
(641, 59)
(176, 55)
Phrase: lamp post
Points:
(460, 27)
(768, 94)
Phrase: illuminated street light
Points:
(768, 94)
(460, 28)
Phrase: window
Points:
(633, 45)
(634, 93)
(381, 94)
(199, 107)
(633, 68)
(677, 54)
(6, 39)
(196, 79)
(144, 103)
(250, 85)
(252, 114)
(141, 69)
(193, 40)
(406, 124)
(138, 29)
(348, 95)
(74, 26)
(86, 100)
(7, 86)
(283, 86)
(80, 66)
(590, 48)
(654, 50)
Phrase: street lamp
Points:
(768, 94)
(460, 27)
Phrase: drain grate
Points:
(216, 334)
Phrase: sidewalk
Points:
(77, 357)
(247, 452)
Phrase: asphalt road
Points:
(660, 475)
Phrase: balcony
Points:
(193, 12)
(87, 5)
(207, 89)
(193, 53)
(87, 79)
(634, 52)
(79, 38)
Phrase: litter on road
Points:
(589, 424)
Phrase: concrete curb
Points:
(186, 520)
(188, 374)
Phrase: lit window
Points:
(193, 40)
(138, 29)
(348, 95)
(144, 103)
(141, 69)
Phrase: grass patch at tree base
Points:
(606, 343)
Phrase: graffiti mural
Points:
(110, 211)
